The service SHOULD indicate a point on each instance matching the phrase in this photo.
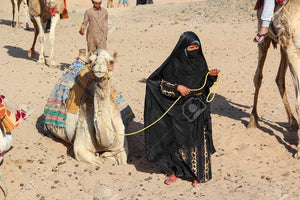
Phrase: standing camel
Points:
(40, 13)
(286, 22)
(16, 10)
(88, 129)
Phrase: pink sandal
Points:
(171, 179)
(196, 183)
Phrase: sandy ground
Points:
(249, 163)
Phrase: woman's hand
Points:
(183, 90)
(214, 72)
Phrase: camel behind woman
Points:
(286, 22)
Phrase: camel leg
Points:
(42, 39)
(83, 143)
(31, 52)
(54, 21)
(293, 52)
(121, 157)
(26, 15)
(262, 54)
(18, 25)
(121, 144)
(280, 81)
(13, 3)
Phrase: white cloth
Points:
(267, 13)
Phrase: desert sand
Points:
(249, 163)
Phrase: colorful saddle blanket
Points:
(9, 119)
(67, 93)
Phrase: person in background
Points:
(123, 3)
(96, 22)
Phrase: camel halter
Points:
(208, 99)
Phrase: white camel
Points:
(287, 25)
(16, 10)
(40, 13)
(87, 130)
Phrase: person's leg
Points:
(266, 18)
(120, 3)
(91, 43)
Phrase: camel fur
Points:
(86, 130)
(286, 22)
(39, 16)
(5, 143)
(110, 4)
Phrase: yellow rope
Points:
(6, 190)
(193, 90)
(76, 21)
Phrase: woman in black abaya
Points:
(183, 138)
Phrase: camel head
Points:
(50, 4)
(100, 62)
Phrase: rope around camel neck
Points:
(193, 90)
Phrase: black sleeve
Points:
(169, 89)
(211, 80)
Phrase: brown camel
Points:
(40, 13)
(286, 22)
(16, 10)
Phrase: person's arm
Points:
(84, 23)
(212, 77)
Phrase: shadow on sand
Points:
(223, 107)
(18, 52)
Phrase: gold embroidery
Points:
(166, 92)
(206, 159)
(194, 160)
(182, 154)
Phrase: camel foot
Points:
(31, 53)
(253, 122)
(27, 27)
(294, 124)
(41, 60)
(87, 156)
(52, 64)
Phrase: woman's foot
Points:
(196, 183)
(171, 179)
(261, 35)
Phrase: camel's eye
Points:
(111, 62)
